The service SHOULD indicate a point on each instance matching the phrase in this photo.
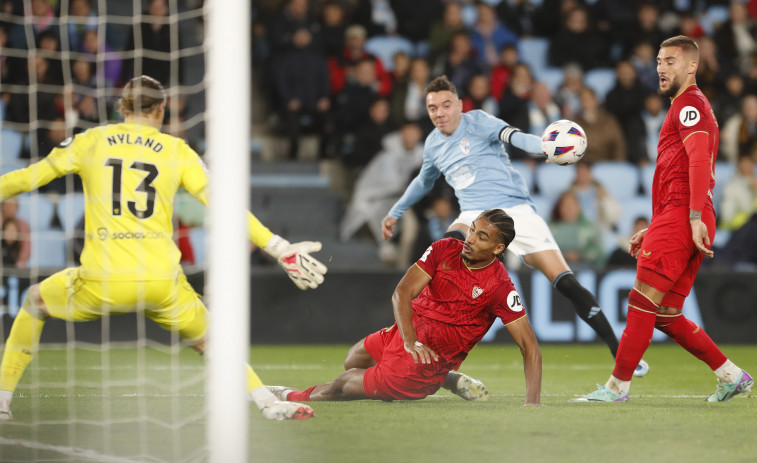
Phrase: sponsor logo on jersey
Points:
(465, 146)
(446, 267)
(646, 253)
(103, 234)
(689, 116)
(514, 302)
(476, 291)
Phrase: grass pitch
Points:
(146, 405)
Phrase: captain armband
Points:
(507, 133)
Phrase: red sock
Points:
(637, 335)
(300, 396)
(693, 338)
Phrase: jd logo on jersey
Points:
(689, 116)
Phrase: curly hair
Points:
(142, 95)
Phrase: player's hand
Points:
(701, 238)
(420, 352)
(304, 270)
(634, 244)
(387, 226)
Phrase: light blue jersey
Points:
(475, 163)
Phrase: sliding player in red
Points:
(671, 250)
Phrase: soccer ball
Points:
(564, 142)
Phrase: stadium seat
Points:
(714, 17)
(647, 178)
(385, 47)
(633, 208)
(36, 209)
(621, 179)
(552, 180)
(534, 52)
(70, 211)
(551, 77)
(11, 143)
(601, 80)
(526, 171)
(723, 172)
(48, 249)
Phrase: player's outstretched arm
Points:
(524, 141)
(407, 289)
(387, 226)
(524, 336)
(304, 270)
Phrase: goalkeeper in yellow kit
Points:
(131, 172)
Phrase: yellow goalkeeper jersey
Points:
(131, 173)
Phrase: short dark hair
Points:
(687, 44)
(504, 223)
(441, 84)
(141, 95)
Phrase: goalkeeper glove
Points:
(304, 270)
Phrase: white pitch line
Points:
(68, 451)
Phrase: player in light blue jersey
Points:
(469, 149)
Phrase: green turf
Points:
(665, 421)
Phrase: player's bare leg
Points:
(358, 357)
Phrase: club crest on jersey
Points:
(465, 146)
(689, 116)
(476, 291)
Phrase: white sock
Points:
(5, 399)
(617, 386)
(728, 372)
(262, 397)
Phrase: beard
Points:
(671, 91)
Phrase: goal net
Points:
(119, 388)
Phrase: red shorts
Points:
(396, 376)
(668, 260)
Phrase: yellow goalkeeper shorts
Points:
(172, 304)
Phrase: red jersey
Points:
(459, 305)
(690, 112)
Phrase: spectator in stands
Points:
(620, 257)
(739, 200)
(343, 67)
(499, 77)
(376, 16)
(568, 95)
(644, 60)
(735, 38)
(729, 99)
(42, 18)
(10, 243)
(479, 97)
(333, 24)
(440, 216)
(369, 135)
(414, 19)
(578, 42)
(154, 35)
(602, 128)
(294, 16)
(408, 102)
(626, 102)
(81, 19)
(460, 63)
(353, 103)
(10, 214)
(48, 46)
(579, 238)
(653, 116)
(381, 183)
(709, 74)
(489, 36)
(400, 69)
(514, 104)
(301, 76)
(739, 135)
(112, 66)
(689, 25)
(645, 29)
(84, 91)
(597, 204)
(18, 110)
(442, 31)
(542, 109)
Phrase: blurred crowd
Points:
(353, 72)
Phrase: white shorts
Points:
(532, 233)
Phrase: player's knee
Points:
(455, 233)
(34, 305)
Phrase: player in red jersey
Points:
(671, 250)
(443, 306)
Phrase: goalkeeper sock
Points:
(20, 347)
(586, 307)
(301, 396)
